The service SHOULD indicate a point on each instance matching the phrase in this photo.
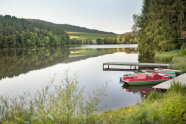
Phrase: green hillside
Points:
(71, 28)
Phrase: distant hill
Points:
(71, 28)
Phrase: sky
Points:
(105, 15)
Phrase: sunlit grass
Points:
(91, 36)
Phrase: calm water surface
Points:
(24, 70)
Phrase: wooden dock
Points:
(131, 66)
(166, 85)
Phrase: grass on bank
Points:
(176, 58)
(156, 108)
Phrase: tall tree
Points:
(159, 26)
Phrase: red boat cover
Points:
(159, 77)
(145, 77)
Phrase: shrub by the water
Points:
(55, 104)
(164, 108)
(64, 103)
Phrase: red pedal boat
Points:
(144, 79)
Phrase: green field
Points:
(91, 36)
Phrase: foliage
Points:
(16, 32)
(55, 103)
(126, 38)
(159, 26)
(166, 108)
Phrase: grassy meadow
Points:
(91, 36)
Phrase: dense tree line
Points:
(159, 26)
(75, 41)
(16, 32)
(126, 38)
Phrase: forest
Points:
(32, 33)
(159, 26)
(22, 33)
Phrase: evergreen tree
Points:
(159, 26)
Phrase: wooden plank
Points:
(166, 85)
(134, 64)
(118, 69)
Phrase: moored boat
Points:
(144, 79)
(163, 72)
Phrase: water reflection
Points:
(40, 65)
(144, 89)
(17, 61)
(14, 62)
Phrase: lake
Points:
(28, 70)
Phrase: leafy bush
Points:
(167, 108)
(174, 109)
(62, 103)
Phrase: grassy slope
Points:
(85, 35)
(176, 58)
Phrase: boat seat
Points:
(142, 76)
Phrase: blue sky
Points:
(107, 15)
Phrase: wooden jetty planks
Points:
(134, 64)
(165, 85)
